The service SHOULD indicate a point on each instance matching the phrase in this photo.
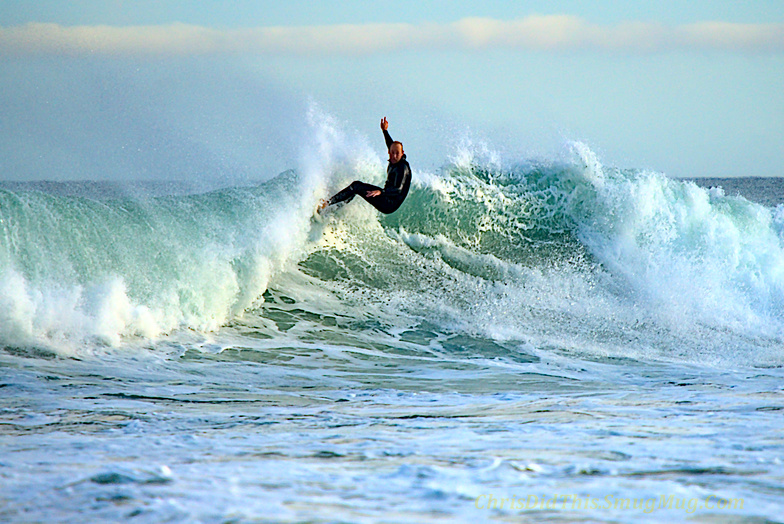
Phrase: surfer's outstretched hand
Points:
(384, 124)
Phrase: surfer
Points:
(386, 200)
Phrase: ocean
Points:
(538, 340)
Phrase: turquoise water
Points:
(531, 340)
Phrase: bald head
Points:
(395, 152)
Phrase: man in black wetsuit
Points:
(386, 200)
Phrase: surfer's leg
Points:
(383, 204)
(355, 188)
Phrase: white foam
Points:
(684, 272)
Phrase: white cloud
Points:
(542, 33)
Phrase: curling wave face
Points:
(75, 270)
(564, 254)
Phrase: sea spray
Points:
(689, 255)
(103, 268)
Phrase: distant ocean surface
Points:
(550, 340)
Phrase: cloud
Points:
(533, 33)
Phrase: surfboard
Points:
(322, 211)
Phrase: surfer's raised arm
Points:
(384, 127)
(388, 199)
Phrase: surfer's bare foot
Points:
(322, 205)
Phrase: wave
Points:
(570, 254)
(670, 246)
(563, 253)
(75, 269)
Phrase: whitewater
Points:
(546, 339)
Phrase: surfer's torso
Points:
(398, 181)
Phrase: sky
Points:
(111, 89)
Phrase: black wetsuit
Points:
(395, 189)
